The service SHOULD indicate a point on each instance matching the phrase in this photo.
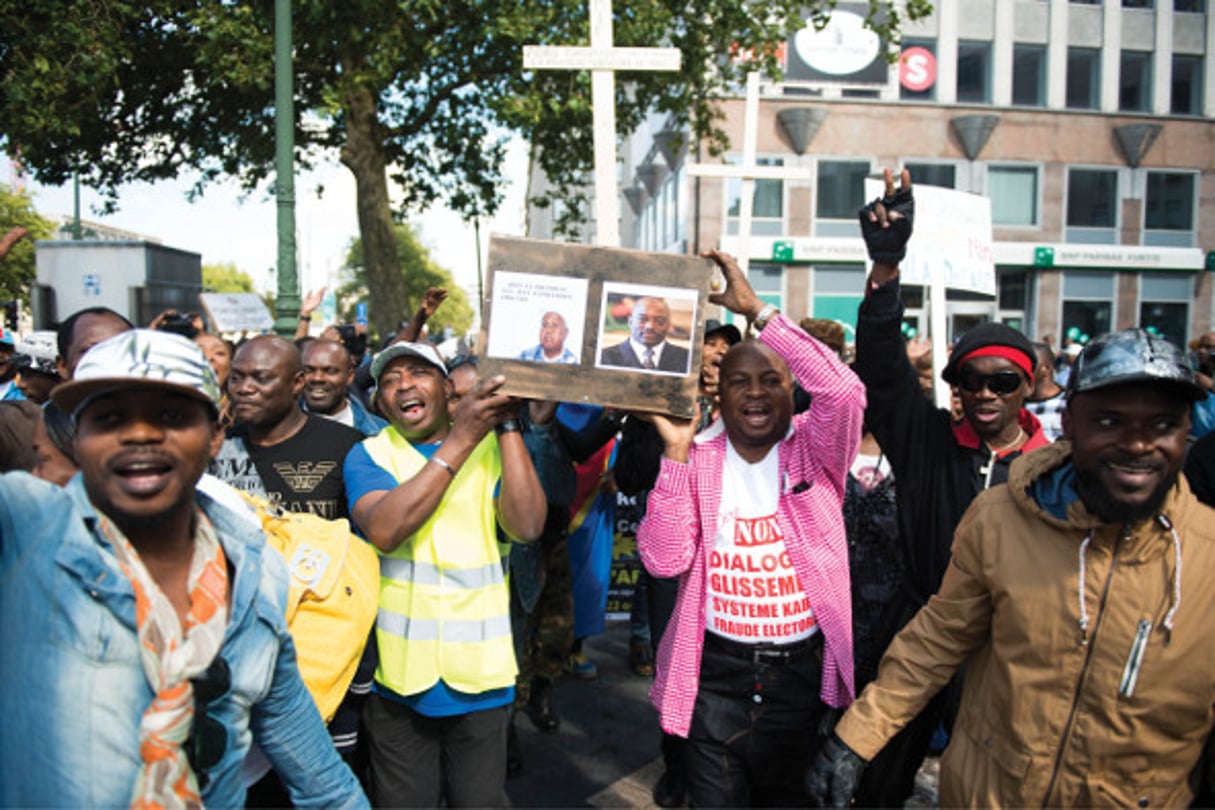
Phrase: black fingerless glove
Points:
(889, 244)
(834, 775)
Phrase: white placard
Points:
(237, 312)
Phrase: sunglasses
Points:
(1002, 383)
(209, 737)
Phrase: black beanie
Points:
(988, 334)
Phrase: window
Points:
(1092, 205)
(1014, 195)
(1189, 5)
(1012, 290)
(1168, 210)
(974, 72)
(930, 93)
(1186, 85)
(768, 282)
(933, 174)
(1137, 3)
(1164, 304)
(1135, 82)
(841, 188)
(1088, 302)
(1029, 75)
(838, 292)
(767, 203)
(1083, 78)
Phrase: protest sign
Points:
(558, 323)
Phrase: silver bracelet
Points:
(450, 470)
(765, 315)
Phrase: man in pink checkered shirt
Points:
(748, 515)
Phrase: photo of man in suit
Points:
(647, 347)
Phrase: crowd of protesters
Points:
(303, 572)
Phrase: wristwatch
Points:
(508, 426)
(765, 315)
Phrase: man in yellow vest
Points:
(430, 492)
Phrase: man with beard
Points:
(1088, 679)
(328, 375)
(940, 466)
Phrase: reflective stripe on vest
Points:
(444, 608)
(449, 630)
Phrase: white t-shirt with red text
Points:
(754, 595)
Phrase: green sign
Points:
(1044, 257)
(782, 251)
(1210, 263)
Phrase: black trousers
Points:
(417, 760)
(756, 724)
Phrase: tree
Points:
(225, 278)
(413, 91)
(418, 272)
(18, 268)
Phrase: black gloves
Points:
(889, 244)
(834, 774)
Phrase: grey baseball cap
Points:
(140, 357)
(1133, 356)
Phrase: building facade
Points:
(1088, 126)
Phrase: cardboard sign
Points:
(237, 312)
(606, 326)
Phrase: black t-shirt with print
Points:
(303, 473)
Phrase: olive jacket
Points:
(1105, 704)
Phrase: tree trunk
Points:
(363, 154)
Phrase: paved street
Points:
(606, 753)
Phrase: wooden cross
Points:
(602, 59)
(748, 172)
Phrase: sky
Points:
(227, 226)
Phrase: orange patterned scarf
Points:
(170, 658)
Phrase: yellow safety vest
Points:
(444, 606)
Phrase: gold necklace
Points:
(1019, 438)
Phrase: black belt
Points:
(764, 652)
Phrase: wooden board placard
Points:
(594, 290)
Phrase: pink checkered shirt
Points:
(682, 511)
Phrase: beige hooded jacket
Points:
(1089, 650)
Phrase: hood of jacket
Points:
(1043, 483)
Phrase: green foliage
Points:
(17, 270)
(123, 91)
(225, 278)
(420, 273)
(423, 91)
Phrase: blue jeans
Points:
(756, 725)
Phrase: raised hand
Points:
(431, 300)
(886, 223)
(312, 302)
(482, 408)
(738, 296)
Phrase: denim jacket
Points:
(74, 689)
